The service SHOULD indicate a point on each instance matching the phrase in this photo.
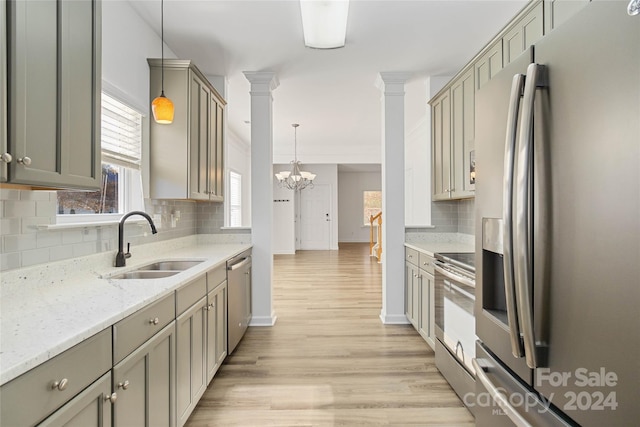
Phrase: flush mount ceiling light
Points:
(295, 179)
(324, 23)
(162, 106)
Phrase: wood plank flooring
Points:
(329, 361)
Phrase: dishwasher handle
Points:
(239, 264)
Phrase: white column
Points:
(262, 84)
(391, 85)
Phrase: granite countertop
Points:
(47, 309)
(430, 243)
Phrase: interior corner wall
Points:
(351, 186)
(238, 159)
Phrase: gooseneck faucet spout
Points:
(121, 257)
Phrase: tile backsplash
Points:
(456, 216)
(25, 241)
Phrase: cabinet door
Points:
(427, 314)
(216, 329)
(441, 150)
(3, 93)
(524, 33)
(145, 382)
(412, 294)
(217, 144)
(191, 347)
(199, 139)
(54, 100)
(462, 135)
(489, 64)
(557, 12)
(90, 408)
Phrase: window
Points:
(235, 199)
(372, 204)
(121, 185)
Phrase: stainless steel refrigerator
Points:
(558, 229)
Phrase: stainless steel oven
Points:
(454, 319)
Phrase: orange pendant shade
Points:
(162, 108)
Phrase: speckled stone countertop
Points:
(47, 309)
(431, 243)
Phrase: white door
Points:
(315, 218)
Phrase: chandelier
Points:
(295, 179)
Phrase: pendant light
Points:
(295, 179)
(162, 106)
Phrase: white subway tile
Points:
(19, 242)
(35, 195)
(48, 238)
(35, 256)
(30, 225)
(46, 208)
(19, 208)
(9, 261)
(60, 252)
(82, 249)
(9, 226)
(9, 194)
(71, 236)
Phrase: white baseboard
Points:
(394, 319)
(284, 252)
(263, 320)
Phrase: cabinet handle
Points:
(26, 161)
(124, 385)
(154, 321)
(60, 385)
(111, 398)
(6, 157)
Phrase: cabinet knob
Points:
(26, 161)
(6, 157)
(154, 321)
(111, 398)
(60, 385)
(124, 385)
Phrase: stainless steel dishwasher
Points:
(239, 297)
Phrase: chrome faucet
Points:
(121, 257)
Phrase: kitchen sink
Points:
(144, 274)
(157, 270)
(179, 265)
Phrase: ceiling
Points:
(331, 93)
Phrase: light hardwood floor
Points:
(329, 361)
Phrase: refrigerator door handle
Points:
(507, 213)
(523, 256)
(498, 395)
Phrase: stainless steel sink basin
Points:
(145, 274)
(179, 265)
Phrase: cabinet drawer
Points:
(188, 294)
(132, 331)
(216, 276)
(426, 262)
(411, 255)
(31, 397)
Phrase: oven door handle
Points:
(498, 396)
(455, 277)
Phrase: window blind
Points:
(235, 199)
(121, 133)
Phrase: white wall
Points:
(238, 159)
(351, 186)
(127, 42)
(418, 149)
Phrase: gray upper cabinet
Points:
(5, 157)
(557, 12)
(441, 148)
(462, 135)
(524, 33)
(489, 64)
(186, 156)
(54, 72)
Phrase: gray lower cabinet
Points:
(427, 311)
(36, 394)
(54, 81)
(191, 358)
(216, 329)
(145, 382)
(91, 408)
(420, 293)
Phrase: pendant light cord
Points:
(162, 45)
